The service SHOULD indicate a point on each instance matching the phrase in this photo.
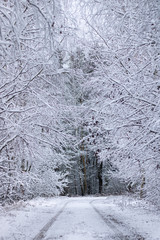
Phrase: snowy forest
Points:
(79, 98)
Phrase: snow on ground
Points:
(79, 222)
(136, 214)
(25, 219)
(84, 218)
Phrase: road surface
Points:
(80, 218)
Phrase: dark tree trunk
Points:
(100, 177)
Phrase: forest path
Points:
(80, 219)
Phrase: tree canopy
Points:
(79, 98)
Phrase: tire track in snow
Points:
(111, 222)
(42, 232)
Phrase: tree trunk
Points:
(82, 157)
(142, 195)
(82, 191)
(100, 177)
(84, 173)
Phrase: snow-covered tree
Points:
(125, 88)
(32, 99)
(79, 97)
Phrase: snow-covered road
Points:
(81, 218)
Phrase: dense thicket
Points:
(123, 90)
(79, 98)
(33, 96)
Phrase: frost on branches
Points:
(79, 98)
(124, 91)
(32, 129)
